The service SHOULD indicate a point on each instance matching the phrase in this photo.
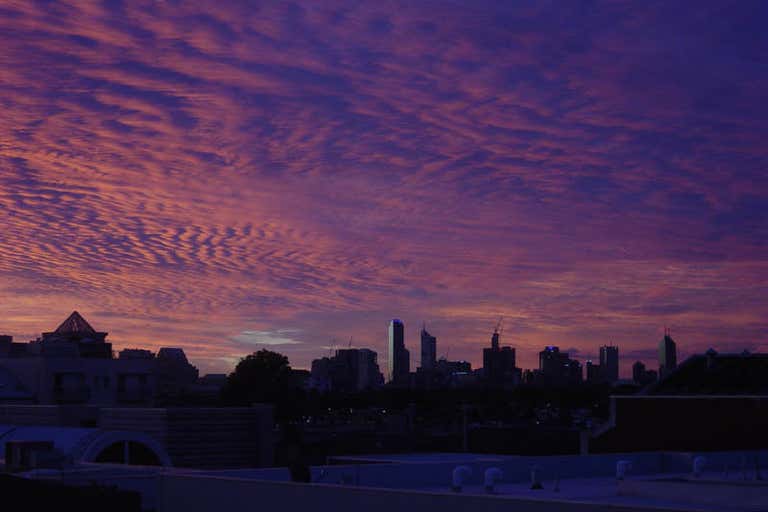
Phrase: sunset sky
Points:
(225, 176)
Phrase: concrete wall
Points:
(206, 494)
(203, 437)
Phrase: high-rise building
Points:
(641, 375)
(667, 355)
(593, 373)
(551, 360)
(499, 363)
(638, 372)
(320, 375)
(398, 365)
(349, 370)
(495, 339)
(557, 369)
(428, 350)
(368, 376)
(609, 363)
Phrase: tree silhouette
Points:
(266, 377)
(261, 377)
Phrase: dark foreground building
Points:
(710, 402)
(41, 495)
(193, 437)
(74, 364)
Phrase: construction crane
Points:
(496, 334)
(499, 327)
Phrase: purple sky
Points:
(224, 177)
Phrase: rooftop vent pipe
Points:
(698, 465)
(535, 482)
(492, 477)
(622, 467)
(460, 475)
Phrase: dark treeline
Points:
(317, 425)
(266, 377)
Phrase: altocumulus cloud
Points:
(589, 172)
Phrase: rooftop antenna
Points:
(331, 347)
(350, 342)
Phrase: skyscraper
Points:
(638, 372)
(495, 339)
(609, 363)
(556, 368)
(593, 373)
(667, 355)
(398, 365)
(428, 350)
(499, 363)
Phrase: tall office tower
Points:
(369, 376)
(638, 372)
(556, 368)
(349, 370)
(499, 362)
(428, 350)
(551, 361)
(398, 365)
(495, 339)
(667, 355)
(593, 372)
(609, 363)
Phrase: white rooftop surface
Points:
(605, 490)
(657, 482)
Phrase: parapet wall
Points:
(190, 493)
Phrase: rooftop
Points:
(75, 324)
(716, 374)
(655, 481)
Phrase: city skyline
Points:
(608, 365)
(224, 178)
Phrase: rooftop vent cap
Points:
(698, 465)
(460, 476)
(492, 477)
(622, 467)
(535, 482)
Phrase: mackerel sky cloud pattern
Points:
(226, 175)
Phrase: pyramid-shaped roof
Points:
(75, 324)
